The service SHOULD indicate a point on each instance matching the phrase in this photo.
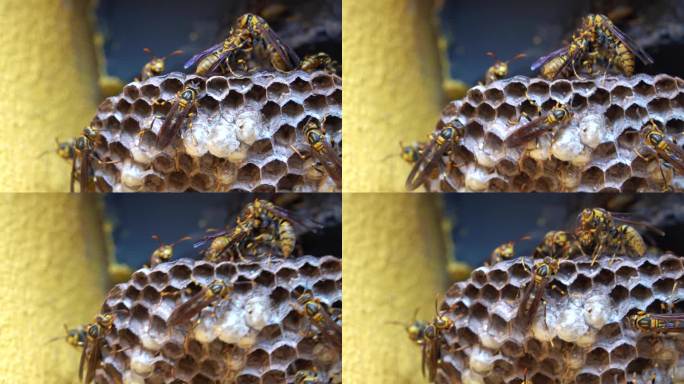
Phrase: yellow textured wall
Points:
(392, 83)
(51, 273)
(48, 89)
(394, 260)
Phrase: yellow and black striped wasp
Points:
(554, 64)
(440, 143)
(411, 153)
(259, 220)
(621, 49)
(156, 65)
(542, 273)
(180, 111)
(558, 115)
(249, 33)
(557, 245)
(661, 323)
(430, 351)
(310, 376)
(596, 230)
(82, 153)
(662, 148)
(499, 69)
(215, 291)
(322, 150)
(165, 251)
(597, 38)
(92, 348)
(505, 251)
(76, 337)
(320, 316)
(415, 330)
(318, 62)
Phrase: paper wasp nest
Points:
(583, 337)
(594, 152)
(242, 137)
(255, 336)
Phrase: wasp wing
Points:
(527, 132)
(195, 59)
(208, 238)
(631, 44)
(93, 361)
(289, 56)
(172, 124)
(630, 219)
(422, 168)
(545, 59)
(190, 308)
(85, 170)
(303, 223)
(331, 162)
(674, 155)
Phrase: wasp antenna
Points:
(415, 314)
(491, 54)
(519, 56)
(394, 322)
(156, 237)
(184, 238)
(147, 50)
(175, 53)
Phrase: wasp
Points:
(505, 251)
(323, 151)
(662, 148)
(216, 248)
(82, 149)
(597, 229)
(440, 143)
(532, 296)
(621, 49)
(318, 62)
(216, 290)
(430, 352)
(499, 69)
(558, 115)
(65, 149)
(557, 245)
(314, 310)
(411, 153)
(553, 64)
(165, 251)
(262, 217)
(308, 377)
(664, 323)
(76, 337)
(92, 349)
(415, 330)
(156, 65)
(184, 102)
(248, 31)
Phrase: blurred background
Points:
(537, 27)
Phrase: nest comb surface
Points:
(593, 152)
(581, 337)
(255, 336)
(242, 137)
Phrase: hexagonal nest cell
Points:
(594, 152)
(246, 134)
(579, 334)
(256, 335)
